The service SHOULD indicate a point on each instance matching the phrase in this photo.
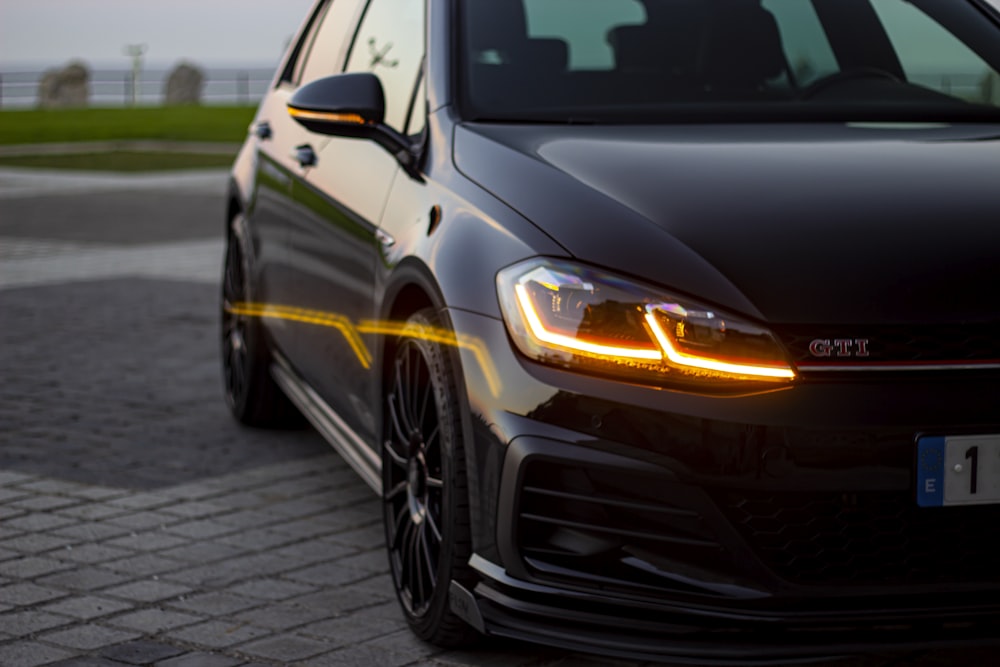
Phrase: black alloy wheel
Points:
(424, 490)
(251, 393)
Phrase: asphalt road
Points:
(138, 523)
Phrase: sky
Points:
(36, 34)
(46, 33)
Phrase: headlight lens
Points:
(569, 315)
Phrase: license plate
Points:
(958, 470)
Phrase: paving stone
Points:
(141, 501)
(97, 493)
(141, 652)
(359, 626)
(147, 591)
(195, 509)
(235, 570)
(144, 565)
(24, 594)
(91, 554)
(508, 653)
(142, 520)
(148, 541)
(286, 648)
(88, 637)
(88, 661)
(202, 552)
(201, 660)
(201, 529)
(35, 543)
(369, 537)
(217, 634)
(345, 599)
(359, 656)
(29, 567)
(328, 574)
(246, 519)
(215, 604)
(8, 494)
(38, 521)
(40, 503)
(8, 512)
(83, 579)
(154, 621)
(30, 654)
(406, 643)
(53, 487)
(283, 616)
(255, 540)
(86, 607)
(92, 532)
(313, 552)
(373, 562)
(305, 529)
(271, 589)
(93, 511)
(9, 478)
(204, 576)
(30, 621)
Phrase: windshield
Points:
(641, 60)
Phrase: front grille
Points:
(614, 526)
(866, 539)
(925, 343)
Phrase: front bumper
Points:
(645, 523)
(604, 624)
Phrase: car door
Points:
(335, 242)
(282, 161)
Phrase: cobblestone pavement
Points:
(138, 523)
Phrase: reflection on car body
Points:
(663, 328)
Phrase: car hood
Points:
(812, 223)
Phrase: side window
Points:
(293, 68)
(332, 37)
(807, 49)
(933, 57)
(390, 44)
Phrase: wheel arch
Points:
(410, 288)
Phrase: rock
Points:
(66, 87)
(184, 85)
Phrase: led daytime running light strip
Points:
(704, 363)
(539, 331)
(303, 114)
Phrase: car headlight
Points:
(569, 315)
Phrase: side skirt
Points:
(335, 430)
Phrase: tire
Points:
(424, 490)
(251, 393)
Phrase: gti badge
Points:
(840, 347)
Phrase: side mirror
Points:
(350, 105)
(339, 105)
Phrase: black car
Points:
(664, 328)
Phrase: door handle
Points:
(305, 155)
(263, 130)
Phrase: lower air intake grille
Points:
(609, 526)
(866, 539)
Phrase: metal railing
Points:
(19, 89)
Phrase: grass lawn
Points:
(120, 161)
(180, 123)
